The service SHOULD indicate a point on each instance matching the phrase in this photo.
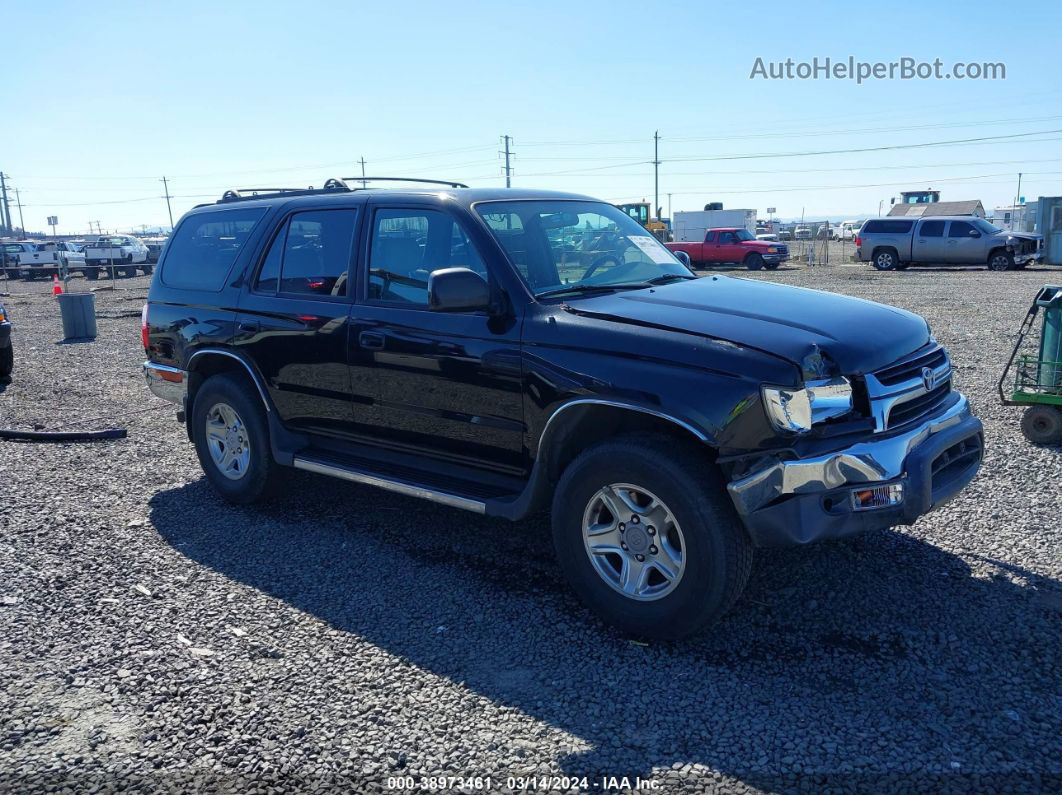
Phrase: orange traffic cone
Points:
(57, 289)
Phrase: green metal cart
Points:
(1037, 379)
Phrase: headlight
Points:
(3, 314)
(772, 249)
(796, 410)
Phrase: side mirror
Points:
(457, 290)
(682, 257)
(974, 233)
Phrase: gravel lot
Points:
(153, 637)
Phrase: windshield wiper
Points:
(670, 277)
(577, 289)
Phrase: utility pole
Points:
(166, 187)
(656, 173)
(1017, 199)
(362, 161)
(21, 222)
(508, 168)
(669, 207)
(6, 207)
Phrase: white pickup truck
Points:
(117, 254)
(48, 258)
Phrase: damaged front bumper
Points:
(871, 484)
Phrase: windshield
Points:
(985, 227)
(558, 244)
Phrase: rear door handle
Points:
(370, 340)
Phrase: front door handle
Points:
(248, 327)
(370, 340)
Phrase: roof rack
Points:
(448, 182)
(330, 186)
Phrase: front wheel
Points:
(754, 262)
(1042, 424)
(1001, 261)
(232, 439)
(647, 537)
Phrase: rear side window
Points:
(887, 227)
(932, 229)
(960, 229)
(310, 255)
(202, 250)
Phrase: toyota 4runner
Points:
(508, 351)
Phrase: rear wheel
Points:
(886, 259)
(92, 274)
(1042, 424)
(646, 535)
(1001, 261)
(754, 262)
(232, 439)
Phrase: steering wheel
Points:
(597, 263)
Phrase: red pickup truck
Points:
(734, 245)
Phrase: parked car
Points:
(847, 230)
(785, 234)
(7, 350)
(770, 237)
(733, 245)
(505, 351)
(802, 233)
(9, 254)
(896, 243)
(48, 258)
(113, 254)
(154, 247)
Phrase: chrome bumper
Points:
(871, 461)
(169, 383)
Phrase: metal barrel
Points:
(1049, 299)
(79, 315)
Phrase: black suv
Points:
(508, 351)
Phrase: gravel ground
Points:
(153, 637)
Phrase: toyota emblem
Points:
(928, 378)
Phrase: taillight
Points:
(144, 327)
(859, 241)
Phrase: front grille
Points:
(912, 368)
(908, 390)
(903, 413)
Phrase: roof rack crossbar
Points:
(448, 182)
(246, 194)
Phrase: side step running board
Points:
(390, 484)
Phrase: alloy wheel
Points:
(634, 542)
(227, 440)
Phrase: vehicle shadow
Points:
(856, 661)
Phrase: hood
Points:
(791, 322)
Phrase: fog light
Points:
(877, 497)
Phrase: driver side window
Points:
(407, 245)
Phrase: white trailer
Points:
(690, 226)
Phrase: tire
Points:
(714, 550)
(771, 266)
(1042, 424)
(129, 272)
(250, 475)
(147, 268)
(7, 360)
(1001, 261)
(754, 262)
(886, 259)
(92, 274)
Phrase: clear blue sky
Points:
(106, 98)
